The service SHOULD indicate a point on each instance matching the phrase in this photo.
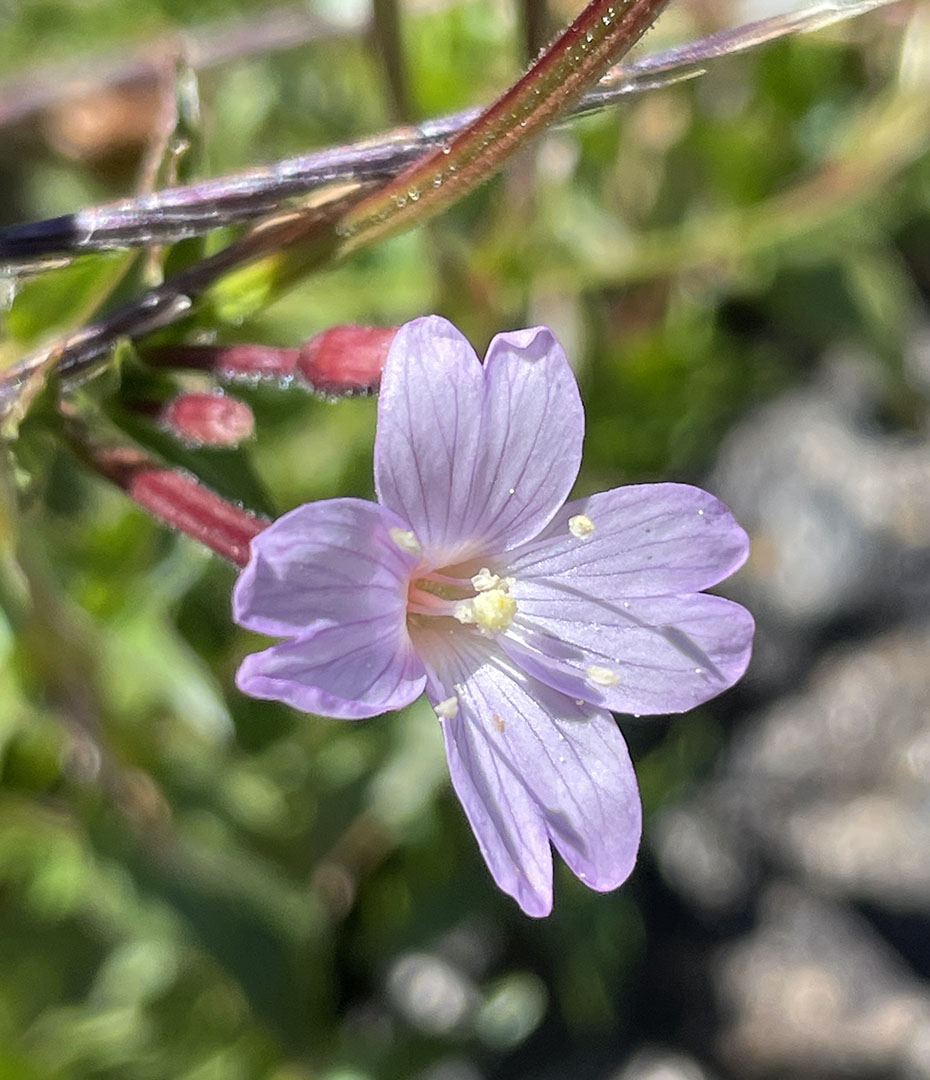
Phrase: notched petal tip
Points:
(531, 767)
(416, 340)
(476, 459)
(533, 344)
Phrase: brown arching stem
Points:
(603, 32)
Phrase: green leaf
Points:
(65, 297)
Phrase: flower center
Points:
(483, 601)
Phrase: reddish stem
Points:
(603, 32)
(227, 361)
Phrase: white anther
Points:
(406, 540)
(465, 612)
(580, 526)
(448, 709)
(485, 580)
(602, 676)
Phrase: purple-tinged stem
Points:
(274, 255)
(175, 213)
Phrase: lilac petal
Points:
(648, 540)
(349, 670)
(476, 459)
(323, 563)
(531, 765)
(646, 656)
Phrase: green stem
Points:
(390, 46)
(536, 26)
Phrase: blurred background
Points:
(199, 886)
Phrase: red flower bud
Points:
(346, 359)
(209, 419)
(227, 361)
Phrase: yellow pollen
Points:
(490, 610)
(406, 540)
(448, 709)
(580, 526)
(602, 676)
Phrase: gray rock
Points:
(813, 991)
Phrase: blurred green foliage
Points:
(196, 885)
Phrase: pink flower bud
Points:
(346, 359)
(228, 361)
(254, 362)
(209, 419)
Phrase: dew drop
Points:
(414, 194)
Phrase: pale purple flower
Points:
(526, 621)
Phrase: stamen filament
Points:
(421, 602)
